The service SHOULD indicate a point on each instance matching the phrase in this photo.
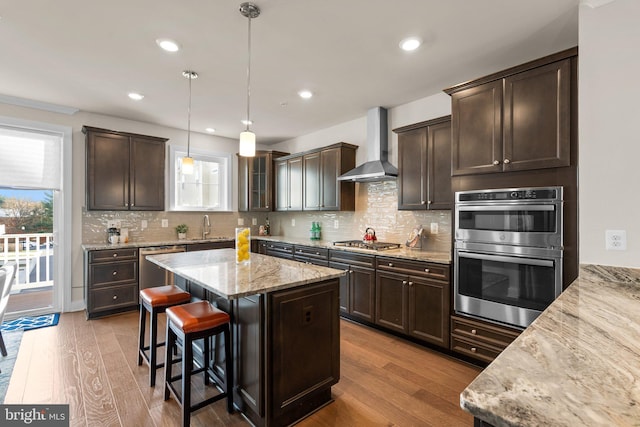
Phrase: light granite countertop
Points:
(402, 252)
(100, 246)
(578, 364)
(217, 271)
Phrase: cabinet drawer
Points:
(310, 260)
(113, 273)
(415, 268)
(477, 331)
(113, 297)
(311, 252)
(479, 351)
(352, 258)
(110, 255)
(280, 247)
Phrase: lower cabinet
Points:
(357, 287)
(480, 340)
(412, 298)
(111, 281)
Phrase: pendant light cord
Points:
(248, 75)
(189, 118)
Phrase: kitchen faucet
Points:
(206, 226)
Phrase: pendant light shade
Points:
(248, 138)
(187, 162)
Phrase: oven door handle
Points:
(522, 207)
(507, 259)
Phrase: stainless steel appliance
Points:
(370, 244)
(152, 275)
(508, 253)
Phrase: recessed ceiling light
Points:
(210, 130)
(305, 94)
(168, 45)
(410, 44)
(247, 122)
(136, 96)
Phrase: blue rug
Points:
(29, 323)
(12, 341)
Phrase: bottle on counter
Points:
(318, 231)
(267, 228)
(312, 232)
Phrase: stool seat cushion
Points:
(196, 316)
(164, 295)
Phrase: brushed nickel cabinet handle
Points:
(473, 349)
(115, 297)
(410, 283)
(474, 332)
(507, 161)
(426, 270)
(115, 273)
(404, 282)
(115, 255)
(390, 264)
(496, 162)
(422, 202)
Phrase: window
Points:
(207, 189)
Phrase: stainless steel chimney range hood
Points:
(377, 167)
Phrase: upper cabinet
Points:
(256, 181)
(289, 183)
(518, 119)
(124, 171)
(424, 165)
(321, 169)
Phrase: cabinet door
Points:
(537, 118)
(147, 175)
(391, 301)
(282, 186)
(249, 351)
(344, 285)
(429, 310)
(440, 195)
(107, 171)
(362, 285)
(477, 129)
(329, 172)
(295, 184)
(259, 188)
(412, 169)
(311, 165)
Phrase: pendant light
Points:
(248, 138)
(187, 162)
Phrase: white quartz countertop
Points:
(578, 364)
(401, 252)
(217, 271)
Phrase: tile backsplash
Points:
(376, 207)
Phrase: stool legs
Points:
(152, 358)
(141, 329)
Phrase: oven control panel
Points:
(551, 193)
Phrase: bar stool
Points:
(156, 300)
(187, 323)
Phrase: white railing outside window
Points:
(34, 255)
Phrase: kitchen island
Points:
(576, 365)
(285, 328)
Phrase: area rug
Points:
(12, 341)
(30, 322)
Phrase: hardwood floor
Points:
(92, 365)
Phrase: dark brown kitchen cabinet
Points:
(321, 169)
(480, 340)
(357, 287)
(311, 255)
(289, 184)
(412, 298)
(111, 281)
(124, 171)
(518, 119)
(256, 181)
(424, 165)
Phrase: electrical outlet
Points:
(240, 221)
(616, 240)
(434, 228)
(293, 222)
(165, 223)
(336, 223)
(144, 224)
(118, 223)
(111, 224)
(254, 221)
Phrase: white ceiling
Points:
(90, 54)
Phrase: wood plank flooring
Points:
(92, 365)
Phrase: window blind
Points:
(30, 158)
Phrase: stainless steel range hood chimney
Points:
(377, 167)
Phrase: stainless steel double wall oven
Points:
(508, 253)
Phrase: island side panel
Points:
(304, 350)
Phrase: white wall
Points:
(609, 168)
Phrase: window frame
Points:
(224, 159)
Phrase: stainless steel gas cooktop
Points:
(376, 246)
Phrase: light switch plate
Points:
(144, 224)
(165, 223)
(293, 222)
(240, 221)
(336, 223)
(434, 228)
(254, 221)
